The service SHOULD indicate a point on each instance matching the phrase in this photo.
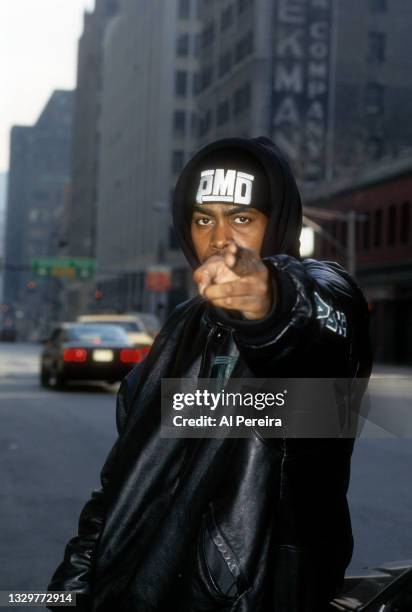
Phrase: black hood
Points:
(285, 217)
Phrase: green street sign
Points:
(64, 267)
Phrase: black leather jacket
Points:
(246, 525)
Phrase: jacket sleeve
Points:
(317, 303)
(75, 571)
(319, 326)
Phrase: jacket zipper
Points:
(282, 469)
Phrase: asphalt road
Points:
(53, 445)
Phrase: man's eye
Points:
(241, 220)
(203, 221)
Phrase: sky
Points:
(38, 54)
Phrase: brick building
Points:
(382, 198)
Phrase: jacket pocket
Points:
(220, 569)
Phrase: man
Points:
(246, 525)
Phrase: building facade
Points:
(79, 238)
(39, 171)
(148, 128)
(3, 196)
(326, 79)
(382, 202)
(266, 70)
(373, 85)
(234, 83)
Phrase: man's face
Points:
(214, 226)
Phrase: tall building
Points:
(373, 84)
(148, 128)
(16, 210)
(234, 87)
(80, 226)
(326, 79)
(265, 71)
(3, 195)
(39, 171)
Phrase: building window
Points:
(359, 227)
(376, 47)
(181, 83)
(374, 98)
(206, 77)
(178, 159)
(375, 147)
(377, 6)
(196, 44)
(179, 122)
(223, 113)
(196, 83)
(183, 45)
(405, 222)
(334, 232)
(377, 230)
(392, 225)
(244, 46)
(366, 231)
(205, 123)
(343, 233)
(242, 5)
(184, 9)
(226, 18)
(208, 35)
(323, 243)
(225, 63)
(194, 124)
(242, 99)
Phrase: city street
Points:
(53, 444)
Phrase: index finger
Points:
(245, 262)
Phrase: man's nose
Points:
(221, 236)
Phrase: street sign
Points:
(158, 278)
(74, 268)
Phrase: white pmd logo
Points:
(225, 186)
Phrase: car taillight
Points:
(78, 355)
(133, 355)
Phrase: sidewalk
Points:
(391, 370)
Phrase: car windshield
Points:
(128, 326)
(96, 334)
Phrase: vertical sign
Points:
(301, 75)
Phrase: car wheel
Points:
(56, 380)
(44, 377)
